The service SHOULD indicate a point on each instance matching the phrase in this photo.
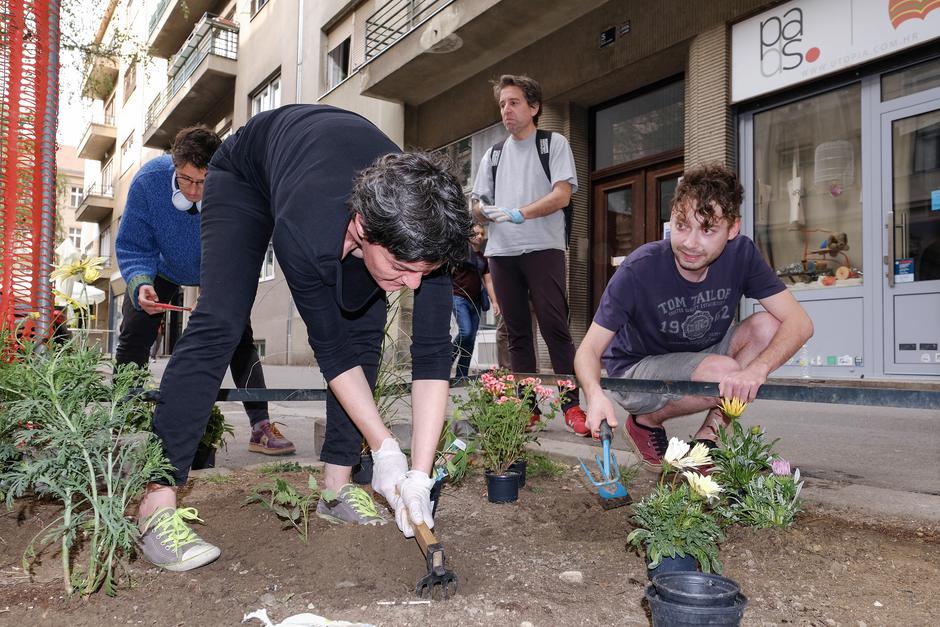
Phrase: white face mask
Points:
(179, 200)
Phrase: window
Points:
(106, 179)
(104, 246)
(128, 152)
(75, 196)
(910, 80)
(466, 153)
(267, 267)
(109, 112)
(257, 5)
(267, 97)
(130, 81)
(338, 64)
(645, 125)
(807, 189)
(75, 236)
(260, 347)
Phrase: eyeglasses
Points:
(182, 178)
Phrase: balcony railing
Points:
(155, 16)
(212, 36)
(396, 19)
(96, 189)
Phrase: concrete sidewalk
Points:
(880, 461)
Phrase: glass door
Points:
(911, 198)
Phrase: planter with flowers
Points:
(677, 525)
(499, 407)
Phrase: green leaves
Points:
(742, 454)
(77, 439)
(287, 503)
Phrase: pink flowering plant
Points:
(499, 406)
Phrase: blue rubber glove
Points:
(502, 214)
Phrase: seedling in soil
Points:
(280, 468)
(287, 503)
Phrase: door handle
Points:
(889, 259)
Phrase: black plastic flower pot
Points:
(702, 589)
(362, 472)
(502, 488)
(668, 614)
(205, 458)
(674, 564)
(519, 466)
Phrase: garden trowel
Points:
(437, 574)
(610, 490)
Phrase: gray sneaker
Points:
(167, 541)
(351, 504)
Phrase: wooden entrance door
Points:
(629, 210)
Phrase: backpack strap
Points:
(495, 152)
(543, 143)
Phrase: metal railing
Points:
(95, 189)
(212, 36)
(394, 20)
(106, 120)
(157, 13)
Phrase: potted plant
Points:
(676, 525)
(499, 407)
(212, 440)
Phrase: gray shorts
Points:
(668, 367)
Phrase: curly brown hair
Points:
(194, 145)
(707, 187)
(530, 89)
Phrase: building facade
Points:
(642, 90)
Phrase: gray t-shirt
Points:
(520, 180)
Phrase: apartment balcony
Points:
(200, 83)
(96, 205)
(171, 23)
(101, 75)
(417, 49)
(99, 139)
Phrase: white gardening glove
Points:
(415, 505)
(389, 466)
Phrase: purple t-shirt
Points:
(654, 311)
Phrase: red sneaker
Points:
(650, 443)
(576, 421)
(535, 422)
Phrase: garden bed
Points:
(831, 568)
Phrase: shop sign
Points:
(806, 39)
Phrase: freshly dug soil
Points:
(831, 568)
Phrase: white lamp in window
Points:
(835, 165)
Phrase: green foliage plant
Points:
(287, 503)
(742, 454)
(75, 441)
(540, 465)
(216, 430)
(767, 501)
(673, 522)
(454, 454)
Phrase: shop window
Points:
(261, 347)
(910, 80)
(267, 268)
(338, 64)
(645, 125)
(465, 154)
(807, 189)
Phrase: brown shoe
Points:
(265, 438)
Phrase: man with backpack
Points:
(523, 188)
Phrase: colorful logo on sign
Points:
(781, 43)
(899, 11)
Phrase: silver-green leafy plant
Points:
(288, 503)
(742, 454)
(673, 521)
(767, 501)
(77, 440)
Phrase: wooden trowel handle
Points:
(424, 536)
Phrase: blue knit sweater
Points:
(155, 237)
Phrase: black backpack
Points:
(543, 143)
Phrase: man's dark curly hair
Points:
(194, 145)
(706, 187)
(413, 206)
